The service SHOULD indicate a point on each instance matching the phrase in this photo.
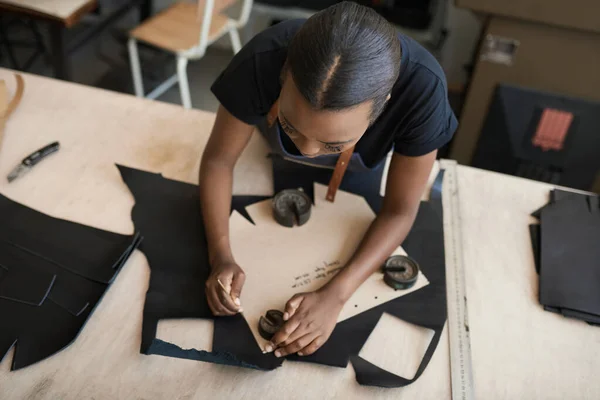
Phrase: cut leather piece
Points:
(68, 298)
(589, 318)
(242, 344)
(49, 235)
(426, 307)
(568, 253)
(552, 309)
(39, 331)
(19, 282)
(346, 340)
(558, 195)
(168, 212)
(46, 330)
(49, 245)
(570, 271)
(160, 347)
(534, 234)
(370, 374)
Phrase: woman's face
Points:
(320, 132)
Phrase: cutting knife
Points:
(33, 159)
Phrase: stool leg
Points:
(235, 40)
(184, 86)
(136, 70)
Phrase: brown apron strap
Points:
(340, 166)
(16, 98)
(10, 107)
(338, 173)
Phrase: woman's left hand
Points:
(310, 319)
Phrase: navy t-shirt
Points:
(417, 119)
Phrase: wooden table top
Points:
(519, 350)
(68, 12)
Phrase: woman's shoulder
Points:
(420, 61)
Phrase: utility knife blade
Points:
(33, 159)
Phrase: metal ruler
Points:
(458, 323)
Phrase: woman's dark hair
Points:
(343, 56)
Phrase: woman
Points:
(342, 81)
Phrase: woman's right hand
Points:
(232, 277)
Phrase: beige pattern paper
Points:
(280, 262)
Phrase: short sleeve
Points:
(237, 91)
(250, 84)
(432, 122)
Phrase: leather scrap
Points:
(53, 273)
(566, 255)
(168, 214)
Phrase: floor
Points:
(103, 62)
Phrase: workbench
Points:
(61, 15)
(519, 351)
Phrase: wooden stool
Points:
(186, 30)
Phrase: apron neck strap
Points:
(338, 173)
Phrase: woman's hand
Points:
(232, 277)
(310, 318)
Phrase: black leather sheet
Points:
(168, 215)
(52, 275)
(567, 255)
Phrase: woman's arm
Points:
(227, 140)
(311, 317)
(407, 178)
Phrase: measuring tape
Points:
(458, 323)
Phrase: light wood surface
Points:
(97, 129)
(177, 28)
(66, 11)
(519, 350)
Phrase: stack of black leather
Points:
(53, 273)
(566, 246)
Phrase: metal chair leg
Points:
(136, 70)
(184, 86)
(236, 44)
